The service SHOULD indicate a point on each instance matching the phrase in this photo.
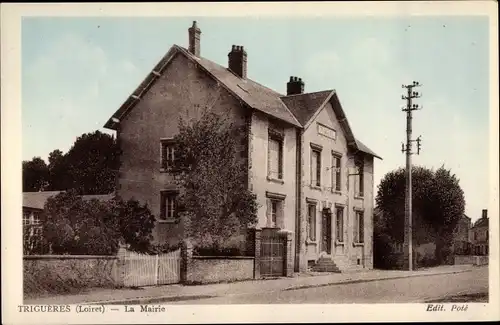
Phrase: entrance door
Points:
(327, 231)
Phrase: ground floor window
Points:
(168, 205)
(275, 210)
(311, 220)
(359, 227)
(339, 224)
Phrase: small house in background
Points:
(33, 206)
(478, 235)
(461, 243)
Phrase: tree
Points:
(58, 171)
(92, 163)
(35, 175)
(211, 172)
(75, 226)
(438, 202)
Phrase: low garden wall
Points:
(60, 274)
(210, 269)
(471, 259)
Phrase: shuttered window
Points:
(315, 167)
(336, 173)
(275, 158)
(311, 221)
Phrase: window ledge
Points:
(339, 243)
(337, 192)
(358, 244)
(311, 242)
(167, 221)
(275, 180)
(315, 187)
(357, 197)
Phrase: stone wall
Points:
(54, 274)
(208, 269)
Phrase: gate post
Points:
(288, 254)
(256, 261)
(186, 254)
(121, 265)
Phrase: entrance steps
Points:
(325, 264)
(337, 264)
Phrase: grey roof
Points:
(296, 110)
(303, 106)
(37, 200)
(250, 92)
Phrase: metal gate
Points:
(272, 253)
(146, 270)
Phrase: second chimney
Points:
(485, 213)
(238, 61)
(194, 39)
(295, 86)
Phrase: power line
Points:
(410, 107)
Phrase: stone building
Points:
(312, 177)
(479, 235)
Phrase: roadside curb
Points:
(159, 299)
(307, 286)
(148, 300)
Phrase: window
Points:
(26, 218)
(311, 221)
(275, 203)
(360, 178)
(275, 157)
(167, 154)
(339, 224)
(275, 211)
(336, 173)
(315, 167)
(168, 205)
(359, 227)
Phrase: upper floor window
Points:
(336, 173)
(275, 156)
(315, 165)
(360, 171)
(167, 153)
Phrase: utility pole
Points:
(409, 108)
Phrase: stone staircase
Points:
(337, 264)
(325, 264)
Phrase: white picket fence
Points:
(146, 270)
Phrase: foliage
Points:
(92, 162)
(89, 167)
(211, 172)
(438, 203)
(35, 175)
(76, 226)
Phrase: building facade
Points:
(311, 177)
(479, 235)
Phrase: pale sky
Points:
(77, 71)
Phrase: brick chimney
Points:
(238, 61)
(485, 213)
(194, 39)
(295, 86)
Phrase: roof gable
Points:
(248, 91)
(304, 106)
(307, 107)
